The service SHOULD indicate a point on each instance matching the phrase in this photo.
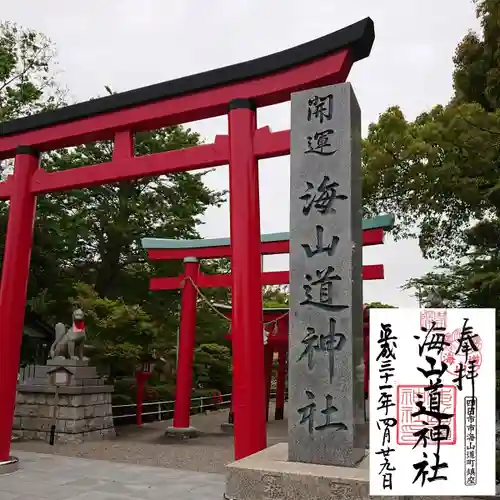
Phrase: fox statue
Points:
(70, 343)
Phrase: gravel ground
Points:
(147, 446)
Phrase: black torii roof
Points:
(358, 37)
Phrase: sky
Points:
(127, 44)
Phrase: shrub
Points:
(126, 386)
(211, 403)
(121, 399)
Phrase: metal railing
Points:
(166, 408)
(162, 408)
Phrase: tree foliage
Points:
(122, 335)
(475, 282)
(275, 296)
(378, 305)
(213, 367)
(438, 173)
(27, 79)
(87, 243)
(477, 60)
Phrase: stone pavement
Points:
(147, 445)
(52, 477)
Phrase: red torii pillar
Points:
(276, 324)
(141, 378)
(13, 287)
(185, 354)
(248, 347)
(184, 372)
(268, 370)
(279, 411)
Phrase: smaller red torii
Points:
(192, 279)
(271, 244)
(276, 325)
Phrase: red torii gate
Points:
(191, 251)
(277, 327)
(237, 91)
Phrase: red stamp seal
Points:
(453, 354)
(428, 317)
(407, 397)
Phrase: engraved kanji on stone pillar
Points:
(325, 416)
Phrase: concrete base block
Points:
(268, 474)
(10, 465)
(227, 428)
(62, 361)
(82, 412)
(181, 433)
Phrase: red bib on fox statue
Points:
(70, 344)
(78, 325)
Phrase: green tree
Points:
(439, 173)
(475, 282)
(97, 232)
(213, 367)
(378, 305)
(477, 60)
(27, 79)
(122, 335)
(92, 236)
(275, 296)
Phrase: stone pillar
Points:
(325, 418)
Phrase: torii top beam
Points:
(274, 243)
(267, 80)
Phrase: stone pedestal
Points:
(181, 433)
(270, 475)
(83, 409)
(8, 466)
